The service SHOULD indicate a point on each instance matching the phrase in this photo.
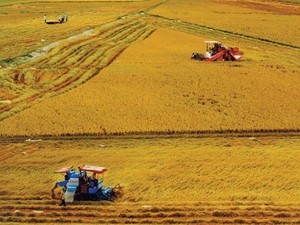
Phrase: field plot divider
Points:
(202, 29)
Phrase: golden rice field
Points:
(272, 20)
(152, 77)
(24, 30)
(144, 84)
(166, 180)
(191, 142)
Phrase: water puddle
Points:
(42, 51)
(47, 48)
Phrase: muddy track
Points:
(83, 58)
(46, 211)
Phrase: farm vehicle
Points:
(216, 51)
(79, 186)
(61, 19)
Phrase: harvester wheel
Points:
(197, 56)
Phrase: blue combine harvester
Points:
(79, 186)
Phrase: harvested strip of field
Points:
(195, 180)
(43, 211)
(24, 29)
(75, 61)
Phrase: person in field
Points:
(84, 185)
(93, 181)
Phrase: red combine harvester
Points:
(216, 51)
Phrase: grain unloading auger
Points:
(216, 51)
(79, 186)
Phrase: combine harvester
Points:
(216, 51)
(81, 187)
(61, 19)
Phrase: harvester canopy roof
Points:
(64, 170)
(212, 42)
(94, 169)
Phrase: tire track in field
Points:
(80, 59)
(105, 55)
(70, 50)
(35, 209)
(95, 50)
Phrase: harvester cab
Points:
(86, 184)
(216, 51)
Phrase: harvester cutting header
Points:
(216, 51)
(78, 185)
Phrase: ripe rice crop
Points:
(24, 29)
(205, 169)
(115, 87)
(149, 80)
(272, 20)
(153, 86)
(199, 180)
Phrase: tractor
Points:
(216, 51)
(81, 186)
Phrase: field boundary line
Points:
(198, 27)
(163, 134)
